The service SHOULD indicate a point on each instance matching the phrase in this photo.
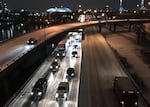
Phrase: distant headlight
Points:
(56, 95)
(65, 95)
(72, 74)
(122, 102)
(136, 103)
(57, 54)
(31, 93)
(51, 67)
(39, 93)
(32, 41)
(56, 67)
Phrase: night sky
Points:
(43, 5)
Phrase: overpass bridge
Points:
(23, 56)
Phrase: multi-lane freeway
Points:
(98, 68)
(16, 48)
(49, 100)
(93, 83)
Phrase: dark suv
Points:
(70, 73)
(39, 89)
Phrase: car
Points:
(31, 41)
(39, 89)
(60, 54)
(70, 73)
(62, 91)
(56, 59)
(75, 46)
(54, 67)
(75, 54)
(126, 93)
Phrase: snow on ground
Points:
(126, 46)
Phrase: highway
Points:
(105, 69)
(99, 67)
(49, 100)
(16, 48)
(98, 70)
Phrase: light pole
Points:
(121, 9)
(142, 5)
(148, 3)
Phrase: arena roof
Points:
(56, 9)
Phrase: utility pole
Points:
(121, 9)
(142, 5)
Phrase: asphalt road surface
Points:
(99, 67)
(49, 100)
(17, 47)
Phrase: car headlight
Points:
(39, 93)
(122, 102)
(56, 67)
(31, 93)
(32, 41)
(51, 67)
(56, 95)
(136, 103)
(57, 54)
(72, 74)
(65, 95)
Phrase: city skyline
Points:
(73, 4)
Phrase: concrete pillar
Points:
(114, 27)
(100, 28)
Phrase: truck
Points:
(61, 52)
(126, 92)
(62, 91)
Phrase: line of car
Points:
(40, 87)
(63, 87)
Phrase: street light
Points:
(149, 3)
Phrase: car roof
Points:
(53, 63)
(70, 70)
(39, 83)
(74, 52)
